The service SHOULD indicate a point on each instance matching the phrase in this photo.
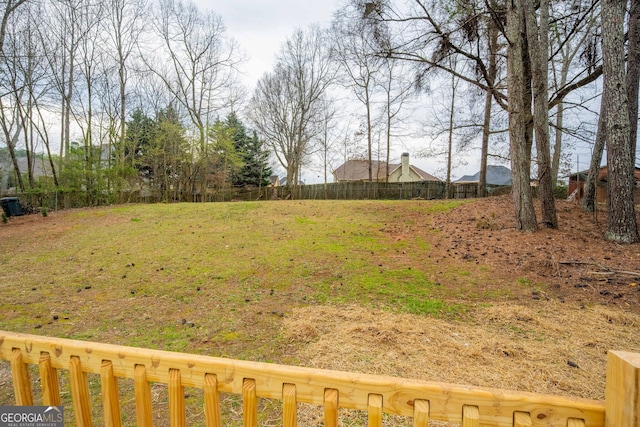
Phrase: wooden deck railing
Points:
(421, 400)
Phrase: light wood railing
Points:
(421, 400)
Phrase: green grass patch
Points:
(130, 274)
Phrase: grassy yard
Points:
(368, 286)
(132, 274)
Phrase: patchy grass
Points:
(133, 274)
(368, 286)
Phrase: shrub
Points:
(561, 191)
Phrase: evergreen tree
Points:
(138, 142)
(157, 150)
(223, 160)
(255, 170)
(170, 157)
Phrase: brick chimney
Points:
(405, 175)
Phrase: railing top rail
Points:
(446, 400)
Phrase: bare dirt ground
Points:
(574, 263)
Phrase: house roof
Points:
(603, 174)
(358, 170)
(41, 167)
(496, 175)
(283, 181)
(274, 179)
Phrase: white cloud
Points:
(261, 26)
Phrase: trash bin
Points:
(11, 206)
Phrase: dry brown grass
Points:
(502, 346)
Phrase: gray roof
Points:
(496, 175)
(358, 170)
(41, 167)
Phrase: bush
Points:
(561, 191)
(43, 211)
(4, 218)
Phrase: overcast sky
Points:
(261, 26)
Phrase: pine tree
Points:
(255, 170)
(138, 140)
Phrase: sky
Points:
(261, 26)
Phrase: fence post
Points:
(622, 400)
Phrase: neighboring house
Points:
(41, 167)
(358, 170)
(274, 181)
(496, 175)
(577, 180)
(283, 181)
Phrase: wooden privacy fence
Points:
(421, 400)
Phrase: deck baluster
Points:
(49, 381)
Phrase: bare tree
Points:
(520, 118)
(125, 24)
(633, 72)
(17, 80)
(9, 7)
(397, 90)
(12, 89)
(29, 62)
(287, 103)
(573, 41)
(11, 129)
(631, 81)
(201, 70)
(353, 48)
(492, 74)
(328, 137)
(453, 123)
(430, 34)
(62, 34)
(537, 28)
(622, 227)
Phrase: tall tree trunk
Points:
(519, 118)
(557, 145)
(590, 185)
(23, 116)
(11, 141)
(633, 72)
(369, 134)
(63, 74)
(486, 126)
(566, 56)
(44, 135)
(16, 167)
(88, 145)
(447, 185)
(484, 154)
(622, 227)
(389, 117)
(67, 105)
(538, 42)
(122, 84)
